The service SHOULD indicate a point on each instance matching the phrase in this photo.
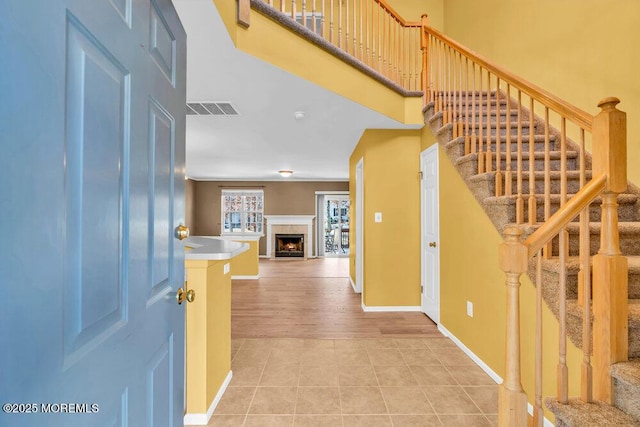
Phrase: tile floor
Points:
(355, 382)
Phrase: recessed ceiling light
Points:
(285, 173)
(299, 115)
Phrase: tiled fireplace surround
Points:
(289, 224)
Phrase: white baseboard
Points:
(256, 277)
(494, 376)
(263, 256)
(379, 308)
(353, 285)
(203, 419)
(497, 378)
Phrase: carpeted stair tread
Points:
(627, 372)
(623, 198)
(626, 383)
(539, 175)
(580, 414)
(573, 264)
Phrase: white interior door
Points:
(360, 226)
(430, 258)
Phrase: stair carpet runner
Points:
(502, 211)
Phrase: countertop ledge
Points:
(213, 248)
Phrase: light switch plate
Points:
(378, 217)
(469, 309)
(227, 268)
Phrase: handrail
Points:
(581, 117)
(396, 15)
(549, 229)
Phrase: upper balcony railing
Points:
(370, 31)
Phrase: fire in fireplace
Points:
(290, 245)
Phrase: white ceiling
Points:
(265, 137)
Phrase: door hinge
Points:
(421, 289)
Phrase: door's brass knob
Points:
(189, 295)
(432, 244)
(182, 232)
(181, 295)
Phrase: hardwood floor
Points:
(313, 299)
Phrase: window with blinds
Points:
(242, 211)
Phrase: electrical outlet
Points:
(469, 309)
(227, 268)
(378, 217)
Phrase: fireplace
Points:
(289, 245)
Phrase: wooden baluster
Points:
(340, 24)
(532, 166)
(450, 75)
(563, 173)
(314, 26)
(271, 3)
(424, 44)
(282, 6)
(293, 9)
(508, 175)
(489, 152)
(512, 401)
(563, 373)
(610, 267)
(331, 21)
(584, 289)
(445, 84)
(346, 27)
(360, 33)
(368, 27)
(481, 157)
(467, 135)
(322, 23)
(380, 19)
(547, 176)
(474, 136)
(304, 13)
(519, 198)
(355, 32)
(498, 177)
(547, 166)
(454, 94)
(538, 411)
(460, 123)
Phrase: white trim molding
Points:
(306, 220)
(353, 285)
(203, 419)
(494, 376)
(391, 308)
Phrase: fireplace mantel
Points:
(289, 220)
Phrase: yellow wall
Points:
(581, 51)
(247, 263)
(392, 247)
(208, 332)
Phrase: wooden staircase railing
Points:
(473, 95)
(477, 99)
(370, 31)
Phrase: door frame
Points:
(432, 152)
(319, 210)
(359, 229)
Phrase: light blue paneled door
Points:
(92, 97)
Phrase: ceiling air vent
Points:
(211, 109)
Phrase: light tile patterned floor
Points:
(355, 382)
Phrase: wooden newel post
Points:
(610, 267)
(424, 47)
(244, 13)
(512, 257)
